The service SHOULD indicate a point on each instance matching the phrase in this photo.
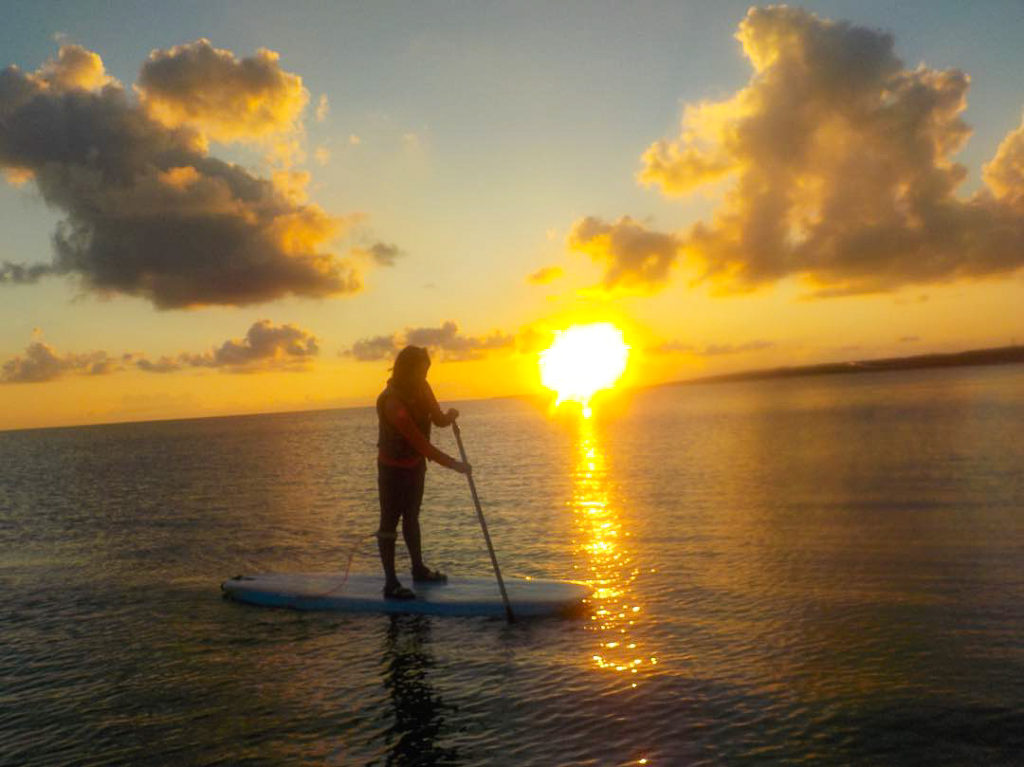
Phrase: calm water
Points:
(819, 570)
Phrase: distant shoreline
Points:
(1002, 355)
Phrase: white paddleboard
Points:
(362, 592)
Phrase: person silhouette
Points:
(405, 411)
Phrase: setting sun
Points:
(583, 360)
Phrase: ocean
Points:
(822, 570)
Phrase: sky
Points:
(219, 208)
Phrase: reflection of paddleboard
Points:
(361, 593)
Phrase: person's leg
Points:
(411, 532)
(411, 518)
(390, 511)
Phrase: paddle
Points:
(483, 524)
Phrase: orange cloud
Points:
(1005, 174)
(74, 68)
(219, 95)
(839, 165)
(633, 256)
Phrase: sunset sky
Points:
(218, 208)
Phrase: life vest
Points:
(390, 440)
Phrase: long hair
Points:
(404, 375)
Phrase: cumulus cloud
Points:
(375, 348)
(837, 165)
(74, 67)
(445, 340)
(148, 212)
(545, 275)
(1005, 174)
(633, 256)
(265, 345)
(41, 362)
(220, 95)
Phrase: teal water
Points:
(825, 570)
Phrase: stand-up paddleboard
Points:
(362, 593)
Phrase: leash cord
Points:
(348, 566)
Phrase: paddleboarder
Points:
(406, 409)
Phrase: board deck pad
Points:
(362, 592)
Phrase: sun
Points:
(582, 360)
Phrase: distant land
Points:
(1002, 355)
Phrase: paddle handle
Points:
(483, 525)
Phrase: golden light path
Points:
(602, 546)
(582, 360)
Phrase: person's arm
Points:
(440, 419)
(397, 414)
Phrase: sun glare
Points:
(583, 359)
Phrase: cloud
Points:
(221, 96)
(837, 165)
(41, 363)
(1005, 174)
(74, 67)
(532, 340)
(710, 350)
(633, 256)
(148, 212)
(323, 108)
(382, 253)
(20, 274)
(375, 348)
(455, 347)
(264, 346)
(162, 365)
(445, 339)
(545, 275)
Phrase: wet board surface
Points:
(362, 592)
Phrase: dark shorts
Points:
(401, 493)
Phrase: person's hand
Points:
(462, 468)
(452, 414)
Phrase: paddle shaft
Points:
(483, 525)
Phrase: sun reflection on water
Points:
(601, 545)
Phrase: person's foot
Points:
(426, 575)
(397, 591)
